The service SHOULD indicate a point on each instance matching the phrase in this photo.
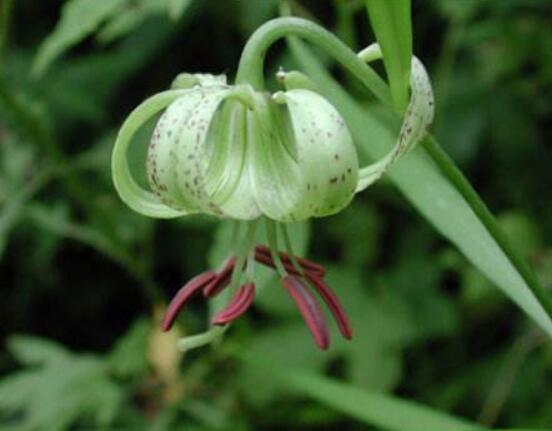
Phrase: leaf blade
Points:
(393, 29)
(78, 20)
(369, 407)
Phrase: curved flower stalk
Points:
(237, 152)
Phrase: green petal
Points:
(162, 161)
(304, 161)
(228, 179)
(189, 80)
(194, 151)
(140, 200)
(417, 118)
(197, 158)
(276, 176)
(326, 153)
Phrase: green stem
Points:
(251, 67)
(193, 342)
(250, 266)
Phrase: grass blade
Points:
(369, 407)
(79, 19)
(393, 29)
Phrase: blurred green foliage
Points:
(82, 273)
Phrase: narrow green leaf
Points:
(392, 26)
(438, 190)
(79, 18)
(133, 15)
(56, 221)
(13, 210)
(31, 350)
(122, 24)
(369, 407)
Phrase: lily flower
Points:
(234, 152)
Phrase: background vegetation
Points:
(83, 279)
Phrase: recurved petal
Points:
(325, 153)
(177, 146)
(212, 155)
(304, 163)
(197, 155)
(275, 174)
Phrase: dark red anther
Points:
(306, 264)
(268, 261)
(237, 306)
(221, 280)
(331, 300)
(310, 310)
(183, 296)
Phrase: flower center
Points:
(236, 276)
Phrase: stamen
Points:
(250, 266)
(238, 305)
(272, 238)
(307, 265)
(221, 280)
(266, 259)
(333, 304)
(245, 248)
(291, 255)
(183, 296)
(310, 310)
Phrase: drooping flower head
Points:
(235, 152)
